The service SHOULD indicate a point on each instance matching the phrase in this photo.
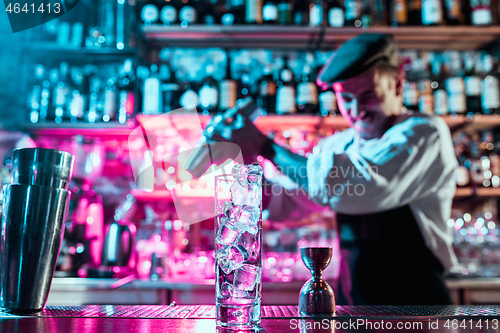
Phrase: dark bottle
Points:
(189, 95)
(399, 12)
(328, 103)
(267, 95)
(235, 12)
(285, 12)
(414, 12)
(455, 85)
(187, 13)
(301, 13)
(307, 93)
(316, 13)
(110, 97)
(61, 94)
(35, 96)
(438, 86)
(367, 14)
(285, 95)
(472, 84)
(209, 93)
(353, 13)
(490, 95)
(480, 12)
(92, 115)
(454, 14)
(270, 12)
(335, 14)
(253, 11)
(227, 89)
(169, 88)
(169, 12)
(432, 12)
(244, 86)
(462, 148)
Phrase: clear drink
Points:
(238, 260)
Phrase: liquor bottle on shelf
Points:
(454, 13)
(477, 170)
(285, 96)
(410, 95)
(110, 108)
(285, 12)
(267, 95)
(169, 13)
(438, 86)
(270, 12)
(455, 85)
(462, 147)
(209, 93)
(307, 93)
(61, 94)
(353, 13)
(414, 12)
(35, 96)
(45, 104)
(170, 89)
(472, 83)
(380, 15)
(399, 12)
(316, 13)
(488, 150)
(426, 97)
(244, 86)
(150, 13)
(92, 115)
(432, 12)
(327, 103)
(188, 14)
(480, 12)
(126, 92)
(189, 97)
(301, 13)
(227, 89)
(210, 11)
(152, 97)
(78, 96)
(253, 11)
(367, 14)
(335, 14)
(490, 95)
(235, 12)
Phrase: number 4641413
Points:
(16, 8)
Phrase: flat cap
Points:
(358, 55)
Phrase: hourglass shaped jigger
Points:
(316, 296)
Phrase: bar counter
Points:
(275, 319)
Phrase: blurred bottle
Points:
(152, 97)
(235, 12)
(490, 96)
(380, 13)
(432, 12)
(285, 12)
(464, 161)
(307, 93)
(227, 89)
(399, 12)
(170, 89)
(150, 13)
(455, 85)
(301, 13)
(61, 93)
(270, 12)
(480, 12)
(367, 14)
(126, 93)
(35, 96)
(285, 97)
(93, 115)
(110, 98)
(169, 13)
(454, 13)
(244, 86)
(78, 96)
(335, 14)
(327, 103)
(253, 11)
(209, 93)
(267, 96)
(472, 83)
(316, 13)
(187, 13)
(438, 86)
(352, 13)
(189, 96)
(426, 97)
(415, 12)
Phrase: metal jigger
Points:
(316, 296)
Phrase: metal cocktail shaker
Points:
(34, 211)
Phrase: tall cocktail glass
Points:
(238, 260)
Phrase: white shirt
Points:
(413, 164)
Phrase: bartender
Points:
(389, 178)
